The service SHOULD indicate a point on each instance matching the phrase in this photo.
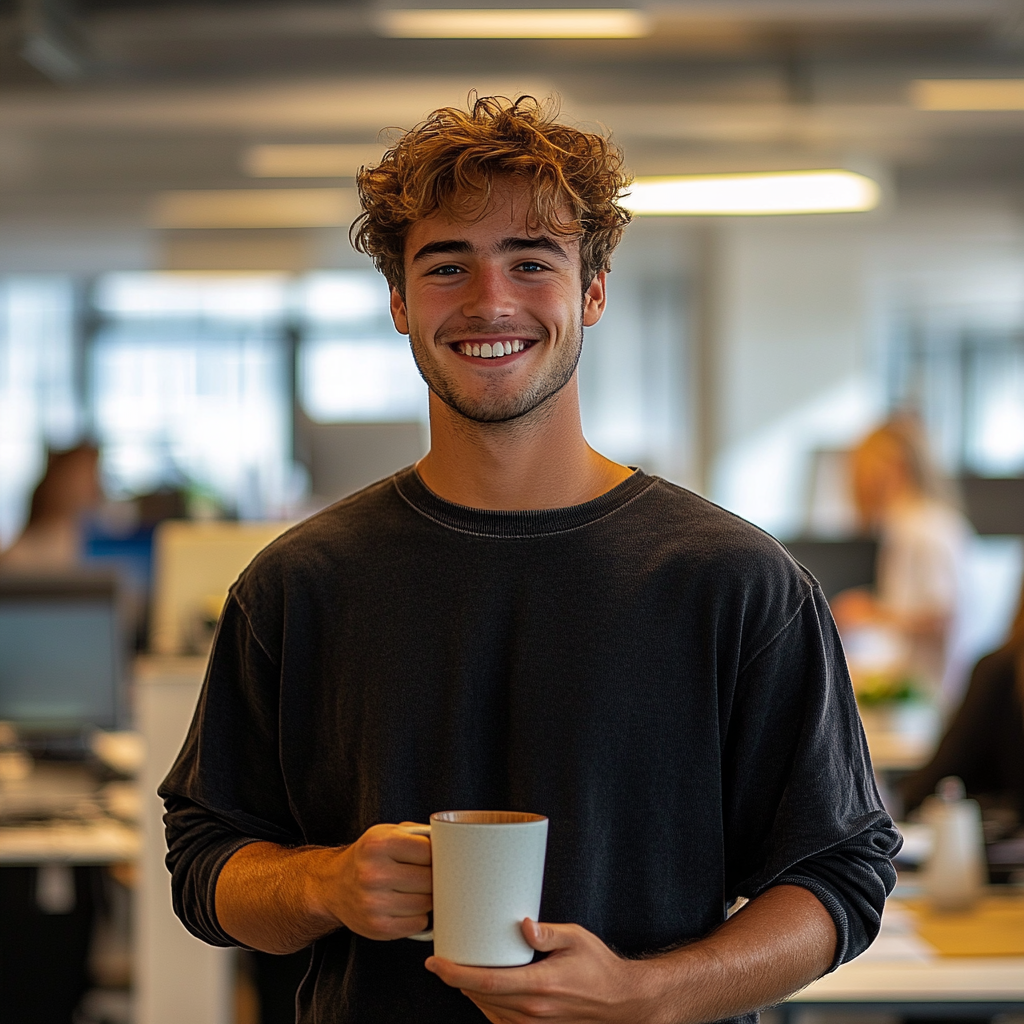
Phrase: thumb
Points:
(548, 937)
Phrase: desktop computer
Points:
(63, 651)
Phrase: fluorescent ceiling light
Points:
(776, 192)
(968, 94)
(255, 208)
(516, 23)
(313, 160)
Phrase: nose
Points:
(489, 296)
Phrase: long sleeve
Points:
(226, 789)
(801, 805)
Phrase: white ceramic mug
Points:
(488, 871)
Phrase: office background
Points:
(177, 286)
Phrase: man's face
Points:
(496, 285)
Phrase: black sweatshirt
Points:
(655, 675)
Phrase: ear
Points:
(595, 298)
(398, 311)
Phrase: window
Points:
(353, 365)
(189, 384)
(38, 403)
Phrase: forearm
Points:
(777, 944)
(280, 900)
(267, 897)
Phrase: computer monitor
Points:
(62, 652)
(837, 564)
(194, 564)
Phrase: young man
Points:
(519, 623)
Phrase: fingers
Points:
(548, 937)
(393, 842)
(389, 928)
(491, 981)
(510, 980)
(410, 878)
(382, 886)
(384, 916)
(381, 874)
(501, 993)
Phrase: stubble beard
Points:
(494, 406)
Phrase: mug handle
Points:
(420, 830)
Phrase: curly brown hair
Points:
(448, 164)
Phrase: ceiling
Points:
(106, 103)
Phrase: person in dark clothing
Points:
(517, 622)
(984, 744)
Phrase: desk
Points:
(95, 842)
(62, 815)
(922, 983)
(57, 831)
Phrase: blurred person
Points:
(984, 744)
(69, 490)
(910, 618)
(517, 622)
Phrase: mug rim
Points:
(487, 817)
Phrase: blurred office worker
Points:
(984, 744)
(915, 607)
(52, 538)
(519, 623)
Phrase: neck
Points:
(538, 461)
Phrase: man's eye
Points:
(447, 270)
(531, 265)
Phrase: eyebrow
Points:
(506, 245)
(444, 246)
(543, 242)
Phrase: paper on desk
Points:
(897, 940)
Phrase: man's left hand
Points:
(582, 981)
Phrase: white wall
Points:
(804, 309)
(793, 357)
(634, 374)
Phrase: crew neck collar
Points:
(516, 523)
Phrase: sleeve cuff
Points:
(213, 933)
(831, 902)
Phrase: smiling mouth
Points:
(493, 349)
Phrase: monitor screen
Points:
(837, 564)
(61, 652)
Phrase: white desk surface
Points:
(944, 979)
(903, 968)
(95, 842)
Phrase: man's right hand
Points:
(380, 886)
(279, 900)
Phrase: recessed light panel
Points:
(255, 208)
(309, 160)
(516, 23)
(777, 192)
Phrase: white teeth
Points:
(494, 350)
